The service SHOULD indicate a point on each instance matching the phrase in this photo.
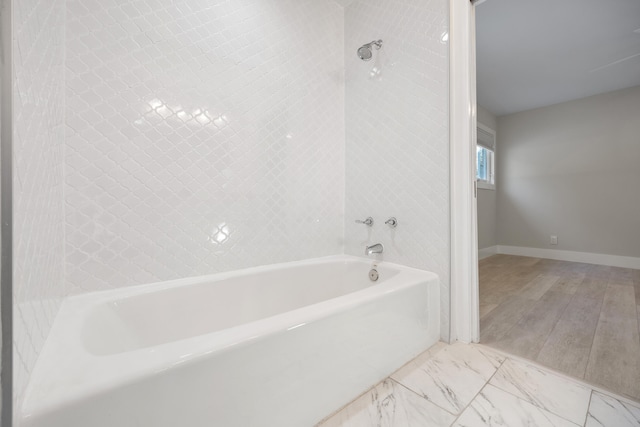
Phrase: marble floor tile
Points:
(606, 411)
(544, 389)
(497, 408)
(452, 377)
(389, 404)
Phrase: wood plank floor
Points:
(580, 319)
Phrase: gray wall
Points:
(487, 199)
(572, 169)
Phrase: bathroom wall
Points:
(397, 147)
(201, 137)
(38, 141)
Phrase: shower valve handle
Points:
(368, 221)
(392, 222)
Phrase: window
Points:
(485, 157)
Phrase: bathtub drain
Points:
(373, 274)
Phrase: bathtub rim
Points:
(50, 389)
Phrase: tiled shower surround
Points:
(38, 146)
(207, 136)
(201, 137)
(397, 139)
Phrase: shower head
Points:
(365, 53)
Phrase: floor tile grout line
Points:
(479, 391)
(554, 324)
(636, 289)
(581, 381)
(524, 313)
(595, 331)
(332, 414)
(586, 416)
(584, 272)
(533, 403)
(421, 396)
(566, 307)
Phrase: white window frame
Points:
(490, 184)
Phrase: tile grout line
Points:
(421, 396)
(587, 384)
(586, 416)
(332, 414)
(479, 391)
(524, 313)
(595, 330)
(534, 404)
(636, 289)
(564, 310)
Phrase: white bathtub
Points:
(281, 345)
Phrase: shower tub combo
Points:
(282, 345)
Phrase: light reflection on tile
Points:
(190, 156)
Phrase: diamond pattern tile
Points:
(38, 143)
(397, 127)
(201, 137)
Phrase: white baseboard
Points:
(487, 252)
(586, 257)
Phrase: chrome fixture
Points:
(374, 249)
(365, 53)
(373, 275)
(368, 221)
(392, 222)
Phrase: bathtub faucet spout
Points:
(374, 249)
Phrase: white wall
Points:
(572, 170)
(487, 199)
(38, 141)
(487, 118)
(397, 148)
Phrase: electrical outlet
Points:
(554, 240)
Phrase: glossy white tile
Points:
(452, 377)
(201, 137)
(390, 405)
(546, 390)
(38, 202)
(496, 408)
(606, 411)
(397, 134)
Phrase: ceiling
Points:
(541, 52)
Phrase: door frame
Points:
(464, 296)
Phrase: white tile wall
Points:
(38, 202)
(210, 136)
(201, 137)
(397, 147)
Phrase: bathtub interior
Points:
(208, 305)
